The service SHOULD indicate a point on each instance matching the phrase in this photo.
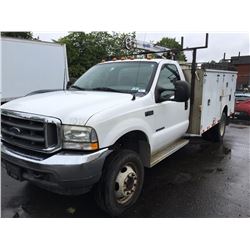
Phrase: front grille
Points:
(37, 133)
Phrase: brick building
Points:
(242, 64)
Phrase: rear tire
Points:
(121, 183)
(217, 132)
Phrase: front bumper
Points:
(69, 173)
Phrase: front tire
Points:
(121, 183)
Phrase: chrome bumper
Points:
(64, 172)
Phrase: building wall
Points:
(243, 79)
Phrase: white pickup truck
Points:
(117, 118)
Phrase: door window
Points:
(169, 74)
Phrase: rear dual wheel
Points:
(217, 132)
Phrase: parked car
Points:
(242, 105)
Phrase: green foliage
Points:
(87, 49)
(171, 43)
(22, 35)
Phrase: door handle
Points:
(148, 113)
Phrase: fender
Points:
(108, 134)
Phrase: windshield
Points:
(126, 77)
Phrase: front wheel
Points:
(121, 182)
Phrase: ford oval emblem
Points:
(15, 130)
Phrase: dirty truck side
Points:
(117, 119)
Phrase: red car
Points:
(242, 105)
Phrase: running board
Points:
(167, 151)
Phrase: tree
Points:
(23, 35)
(87, 49)
(171, 43)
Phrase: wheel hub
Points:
(125, 185)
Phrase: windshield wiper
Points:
(107, 89)
(76, 87)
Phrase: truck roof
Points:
(142, 60)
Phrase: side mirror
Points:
(181, 93)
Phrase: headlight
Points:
(79, 137)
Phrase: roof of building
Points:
(240, 60)
(219, 66)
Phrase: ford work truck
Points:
(116, 119)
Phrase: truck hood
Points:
(71, 107)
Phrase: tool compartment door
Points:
(218, 93)
(228, 86)
(210, 109)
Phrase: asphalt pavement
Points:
(202, 180)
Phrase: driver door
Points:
(171, 118)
